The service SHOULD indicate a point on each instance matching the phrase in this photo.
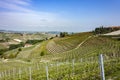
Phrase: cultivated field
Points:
(74, 57)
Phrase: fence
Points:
(82, 69)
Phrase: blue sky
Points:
(58, 15)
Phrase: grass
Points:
(86, 70)
(59, 45)
(86, 65)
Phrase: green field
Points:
(74, 57)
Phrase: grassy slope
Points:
(29, 52)
(23, 37)
(91, 48)
(59, 45)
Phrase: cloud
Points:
(17, 15)
(20, 2)
(31, 21)
(15, 5)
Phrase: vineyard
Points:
(75, 57)
(60, 45)
(84, 68)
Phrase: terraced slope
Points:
(59, 45)
(90, 48)
(85, 55)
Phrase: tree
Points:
(42, 53)
(19, 49)
(103, 30)
(56, 35)
(63, 34)
(7, 39)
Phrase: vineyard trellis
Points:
(82, 69)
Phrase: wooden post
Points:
(9, 73)
(57, 67)
(19, 73)
(81, 60)
(13, 72)
(73, 61)
(30, 77)
(37, 66)
(0, 76)
(47, 74)
(102, 67)
(3, 74)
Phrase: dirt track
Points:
(113, 33)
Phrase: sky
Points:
(58, 15)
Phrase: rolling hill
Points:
(76, 55)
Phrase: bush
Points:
(63, 34)
(2, 51)
(14, 46)
(19, 49)
(33, 41)
(42, 53)
(103, 30)
(11, 56)
(51, 38)
(2, 40)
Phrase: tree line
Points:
(103, 30)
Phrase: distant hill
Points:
(54, 32)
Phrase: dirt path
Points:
(113, 33)
(83, 42)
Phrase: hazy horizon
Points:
(58, 15)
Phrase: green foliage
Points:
(2, 51)
(103, 30)
(7, 39)
(14, 46)
(2, 40)
(42, 53)
(11, 56)
(28, 60)
(63, 34)
(19, 49)
(56, 36)
(51, 37)
(33, 41)
(87, 69)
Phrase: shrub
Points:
(63, 34)
(103, 30)
(51, 38)
(11, 56)
(33, 41)
(2, 51)
(19, 49)
(14, 46)
(42, 53)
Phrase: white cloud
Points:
(15, 5)
(20, 2)
(19, 17)
(31, 20)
